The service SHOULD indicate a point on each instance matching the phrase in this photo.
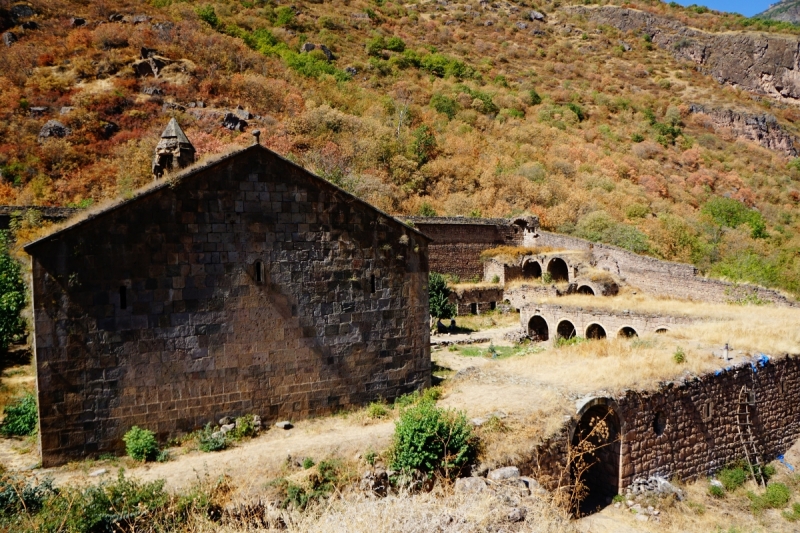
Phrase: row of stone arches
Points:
(539, 330)
(556, 267)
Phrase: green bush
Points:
(308, 462)
(331, 474)
(443, 104)
(12, 296)
(395, 44)
(423, 144)
(21, 417)
(18, 495)
(433, 441)
(776, 496)
(578, 110)
(245, 428)
(716, 491)
(211, 440)
(438, 293)
(377, 410)
(376, 45)
(733, 477)
(208, 15)
(284, 16)
(794, 514)
(443, 66)
(534, 97)
(141, 444)
(731, 213)
(679, 356)
(426, 210)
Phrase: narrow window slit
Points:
(123, 297)
(372, 284)
(259, 272)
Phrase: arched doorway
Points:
(627, 333)
(585, 289)
(558, 269)
(595, 331)
(537, 329)
(661, 331)
(531, 270)
(566, 330)
(595, 457)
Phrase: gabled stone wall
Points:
(249, 286)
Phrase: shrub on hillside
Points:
(21, 417)
(12, 296)
(433, 441)
(731, 213)
(776, 496)
(141, 444)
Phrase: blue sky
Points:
(747, 8)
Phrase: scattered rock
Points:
(234, 123)
(217, 435)
(97, 473)
(351, 70)
(146, 53)
(9, 38)
(227, 428)
(153, 91)
(22, 11)
(307, 47)
(522, 26)
(285, 424)
(717, 483)
(538, 32)
(470, 485)
(225, 420)
(655, 486)
(625, 46)
(242, 113)
(150, 66)
(30, 25)
(488, 23)
(77, 22)
(116, 17)
(327, 52)
(508, 472)
(517, 514)
(376, 482)
(53, 128)
(256, 418)
(479, 470)
(107, 129)
(536, 15)
(163, 26)
(38, 111)
(140, 19)
(66, 110)
(169, 106)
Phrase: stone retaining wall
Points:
(476, 300)
(697, 431)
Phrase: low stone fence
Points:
(476, 300)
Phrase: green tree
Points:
(732, 213)
(12, 297)
(208, 15)
(445, 105)
(438, 293)
(423, 144)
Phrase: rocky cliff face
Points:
(758, 62)
(761, 128)
(786, 11)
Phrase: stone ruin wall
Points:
(339, 317)
(582, 318)
(660, 278)
(457, 242)
(483, 298)
(693, 445)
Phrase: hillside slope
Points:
(456, 108)
(783, 10)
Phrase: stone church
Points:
(243, 285)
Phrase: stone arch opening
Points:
(661, 331)
(595, 468)
(627, 333)
(531, 270)
(537, 329)
(558, 269)
(566, 330)
(595, 331)
(585, 289)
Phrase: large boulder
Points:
(53, 128)
(150, 66)
(22, 11)
(470, 485)
(508, 472)
(234, 123)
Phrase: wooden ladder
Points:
(747, 400)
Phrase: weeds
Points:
(679, 356)
(141, 444)
(21, 417)
(776, 496)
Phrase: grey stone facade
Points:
(248, 285)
